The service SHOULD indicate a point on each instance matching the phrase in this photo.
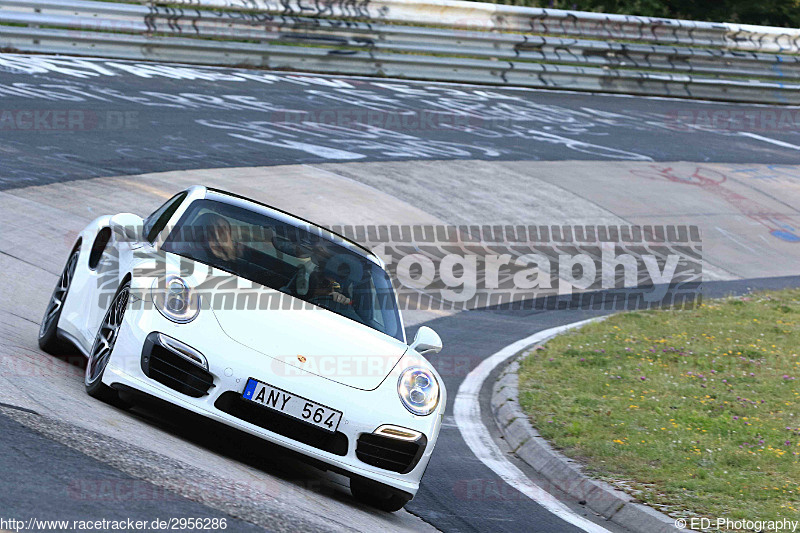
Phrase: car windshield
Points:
(297, 261)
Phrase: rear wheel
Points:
(48, 331)
(103, 345)
(376, 495)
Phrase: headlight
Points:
(175, 300)
(419, 390)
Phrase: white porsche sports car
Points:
(260, 320)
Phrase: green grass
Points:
(694, 412)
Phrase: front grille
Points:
(390, 454)
(174, 371)
(232, 403)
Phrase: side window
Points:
(156, 222)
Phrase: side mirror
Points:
(128, 227)
(427, 341)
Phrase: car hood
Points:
(314, 340)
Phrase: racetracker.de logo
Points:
(65, 120)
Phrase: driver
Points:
(323, 284)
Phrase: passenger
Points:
(219, 237)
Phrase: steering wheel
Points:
(324, 298)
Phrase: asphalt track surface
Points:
(122, 118)
(130, 119)
(33, 465)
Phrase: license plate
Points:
(292, 405)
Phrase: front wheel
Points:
(103, 346)
(376, 495)
(48, 331)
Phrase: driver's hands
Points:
(340, 298)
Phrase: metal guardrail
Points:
(432, 40)
(484, 16)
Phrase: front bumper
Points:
(231, 364)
